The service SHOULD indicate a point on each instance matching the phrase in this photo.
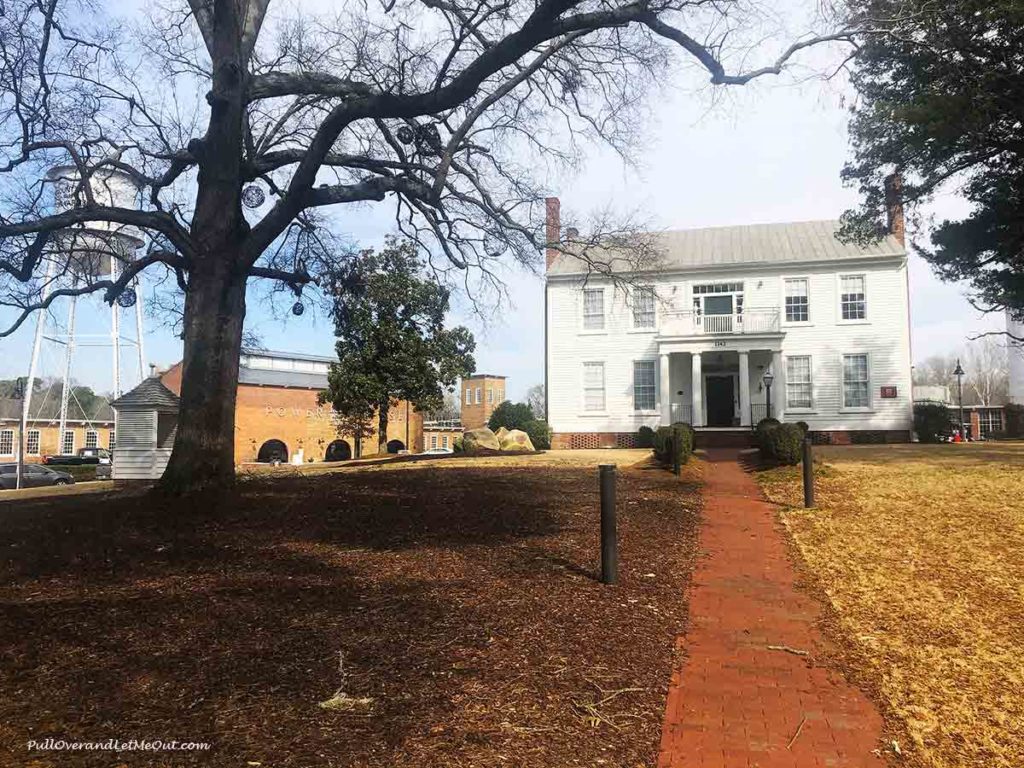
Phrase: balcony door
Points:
(718, 305)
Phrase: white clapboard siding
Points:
(884, 336)
(140, 463)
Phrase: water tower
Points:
(81, 255)
(1016, 329)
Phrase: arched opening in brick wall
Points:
(394, 446)
(338, 450)
(271, 451)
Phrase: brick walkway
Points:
(735, 702)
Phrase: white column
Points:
(778, 386)
(744, 389)
(697, 385)
(666, 391)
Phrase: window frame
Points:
(654, 385)
(6, 434)
(64, 441)
(95, 435)
(786, 279)
(469, 395)
(634, 326)
(810, 383)
(603, 410)
(844, 408)
(479, 396)
(28, 442)
(839, 299)
(583, 311)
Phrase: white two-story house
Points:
(732, 325)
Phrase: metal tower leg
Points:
(69, 351)
(115, 334)
(138, 331)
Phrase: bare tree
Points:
(987, 371)
(536, 399)
(451, 109)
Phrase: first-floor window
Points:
(856, 389)
(6, 442)
(644, 398)
(67, 444)
(444, 441)
(32, 442)
(112, 439)
(92, 438)
(593, 386)
(433, 441)
(798, 382)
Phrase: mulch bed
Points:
(463, 602)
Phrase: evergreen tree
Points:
(392, 343)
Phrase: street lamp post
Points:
(959, 373)
(20, 391)
(768, 378)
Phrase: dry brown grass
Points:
(920, 551)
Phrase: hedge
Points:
(677, 438)
(764, 426)
(645, 437)
(931, 421)
(784, 443)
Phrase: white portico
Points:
(717, 380)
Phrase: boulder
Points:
(474, 439)
(500, 434)
(516, 440)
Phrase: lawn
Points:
(919, 550)
(451, 605)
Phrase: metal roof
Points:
(150, 395)
(265, 377)
(753, 244)
(255, 352)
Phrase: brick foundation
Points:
(734, 439)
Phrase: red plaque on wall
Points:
(888, 392)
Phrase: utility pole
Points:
(20, 477)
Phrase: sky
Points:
(771, 152)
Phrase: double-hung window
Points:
(469, 395)
(856, 386)
(112, 439)
(92, 438)
(797, 300)
(593, 309)
(593, 387)
(799, 390)
(67, 443)
(643, 307)
(644, 398)
(479, 399)
(853, 297)
(433, 441)
(32, 442)
(6, 442)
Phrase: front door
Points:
(721, 396)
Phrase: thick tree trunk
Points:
(382, 427)
(204, 447)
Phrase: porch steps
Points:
(725, 438)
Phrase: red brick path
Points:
(735, 702)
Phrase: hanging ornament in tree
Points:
(493, 245)
(127, 298)
(405, 134)
(253, 196)
(298, 308)
(428, 140)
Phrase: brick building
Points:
(42, 432)
(277, 414)
(481, 394)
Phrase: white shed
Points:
(146, 422)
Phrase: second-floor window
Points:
(643, 307)
(479, 397)
(32, 442)
(797, 300)
(593, 309)
(469, 395)
(798, 382)
(856, 387)
(6, 442)
(490, 396)
(853, 297)
(593, 386)
(92, 438)
(644, 398)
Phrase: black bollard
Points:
(808, 474)
(609, 540)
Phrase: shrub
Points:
(457, 446)
(668, 441)
(691, 435)
(931, 421)
(511, 416)
(645, 437)
(804, 426)
(539, 432)
(784, 443)
(764, 426)
(662, 440)
(1014, 414)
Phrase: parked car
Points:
(437, 452)
(36, 475)
(84, 456)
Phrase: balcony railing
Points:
(751, 320)
(682, 412)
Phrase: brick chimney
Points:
(894, 207)
(553, 228)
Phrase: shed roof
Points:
(150, 395)
(265, 377)
(752, 244)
